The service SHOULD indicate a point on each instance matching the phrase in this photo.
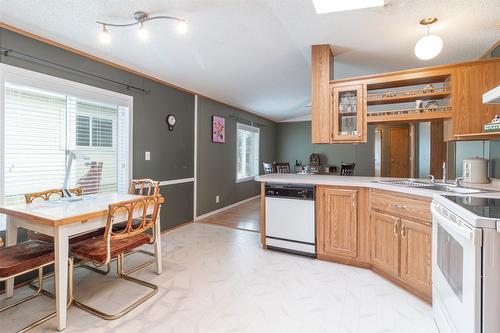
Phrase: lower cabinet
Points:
(337, 222)
(403, 250)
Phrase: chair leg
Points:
(35, 294)
(141, 266)
(121, 275)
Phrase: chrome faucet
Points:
(433, 180)
(457, 181)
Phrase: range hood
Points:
(492, 96)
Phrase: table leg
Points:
(61, 245)
(157, 246)
(11, 239)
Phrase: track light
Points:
(104, 35)
(140, 18)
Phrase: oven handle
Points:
(466, 232)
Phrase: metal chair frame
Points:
(110, 234)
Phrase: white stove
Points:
(466, 264)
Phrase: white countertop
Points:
(368, 182)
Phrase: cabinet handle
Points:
(395, 229)
(399, 206)
(403, 231)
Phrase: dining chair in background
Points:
(116, 243)
(282, 167)
(347, 169)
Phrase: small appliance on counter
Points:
(475, 170)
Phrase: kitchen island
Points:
(361, 222)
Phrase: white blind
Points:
(42, 126)
(247, 152)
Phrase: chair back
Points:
(282, 167)
(48, 194)
(347, 169)
(144, 187)
(268, 168)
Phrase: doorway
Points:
(399, 152)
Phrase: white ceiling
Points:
(255, 54)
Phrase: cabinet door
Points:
(349, 113)
(340, 222)
(416, 255)
(385, 242)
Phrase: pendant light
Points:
(428, 46)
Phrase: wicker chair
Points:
(115, 243)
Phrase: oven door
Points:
(456, 274)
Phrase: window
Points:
(44, 118)
(247, 152)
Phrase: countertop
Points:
(368, 182)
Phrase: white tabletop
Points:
(57, 211)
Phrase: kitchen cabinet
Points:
(338, 222)
(385, 243)
(349, 114)
(401, 242)
(416, 255)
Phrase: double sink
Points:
(432, 186)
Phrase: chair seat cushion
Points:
(95, 249)
(74, 239)
(25, 256)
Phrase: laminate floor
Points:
(220, 280)
(245, 217)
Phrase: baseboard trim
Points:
(177, 227)
(220, 210)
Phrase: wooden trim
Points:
(321, 56)
(477, 136)
(410, 74)
(426, 116)
(263, 215)
(73, 50)
(487, 54)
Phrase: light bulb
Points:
(104, 36)
(428, 47)
(182, 27)
(143, 33)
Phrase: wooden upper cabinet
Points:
(349, 114)
(338, 222)
(322, 60)
(416, 255)
(385, 242)
(469, 83)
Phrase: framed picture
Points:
(218, 129)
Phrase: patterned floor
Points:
(218, 279)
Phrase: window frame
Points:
(20, 76)
(248, 128)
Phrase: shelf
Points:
(423, 116)
(407, 98)
(477, 136)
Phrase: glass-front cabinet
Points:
(349, 113)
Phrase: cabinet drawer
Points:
(401, 205)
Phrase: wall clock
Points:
(171, 120)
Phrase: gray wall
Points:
(171, 152)
(217, 162)
(293, 142)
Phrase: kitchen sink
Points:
(432, 186)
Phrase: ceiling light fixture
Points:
(428, 46)
(140, 18)
(329, 6)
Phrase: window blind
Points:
(42, 126)
(247, 152)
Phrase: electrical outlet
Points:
(217, 199)
(147, 156)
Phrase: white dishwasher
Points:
(290, 223)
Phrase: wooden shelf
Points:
(407, 98)
(477, 136)
(423, 116)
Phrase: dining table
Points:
(62, 219)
